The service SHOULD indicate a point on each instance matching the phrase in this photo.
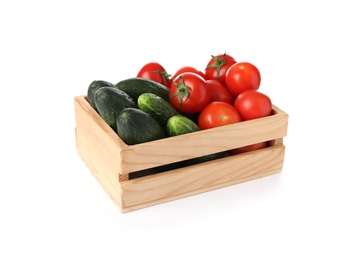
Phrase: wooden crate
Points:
(112, 161)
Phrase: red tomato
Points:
(252, 104)
(189, 93)
(155, 71)
(242, 76)
(216, 114)
(219, 92)
(188, 69)
(218, 66)
(248, 148)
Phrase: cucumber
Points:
(134, 87)
(92, 89)
(110, 101)
(135, 126)
(156, 107)
(179, 125)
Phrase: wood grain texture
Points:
(111, 160)
(169, 150)
(204, 142)
(154, 189)
(97, 149)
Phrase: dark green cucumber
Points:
(179, 125)
(92, 89)
(110, 101)
(134, 87)
(156, 107)
(135, 126)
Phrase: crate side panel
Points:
(179, 183)
(98, 152)
(105, 129)
(204, 142)
(105, 176)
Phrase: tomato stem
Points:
(165, 75)
(218, 63)
(182, 92)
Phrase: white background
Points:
(52, 207)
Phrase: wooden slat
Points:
(154, 189)
(110, 159)
(168, 150)
(97, 119)
(98, 151)
(179, 148)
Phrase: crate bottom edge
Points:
(196, 192)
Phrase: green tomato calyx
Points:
(165, 75)
(218, 63)
(182, 92)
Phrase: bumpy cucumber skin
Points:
(135, 126)
(110, 102)
(134, 87)
(179, 125)
(94, 87)
(156, 107)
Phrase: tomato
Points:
(189, 93)
(252, 104)
(242, 76)
(219, 92)
(248, 148)
(155, 71)
(188, 69)
(216, 114)
(218, 66)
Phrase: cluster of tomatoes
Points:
(226, 92)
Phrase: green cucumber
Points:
(110, 101)
(156, 107)
(134, 87)
(135, 126)
(179, 125)
(92, 89)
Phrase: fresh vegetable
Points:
(110, 101)
(219, 92)
(179, 125)
(252, 104)
(242, 76)
(134, 87)
(92, 89)
(189, 93)
(156, 72)
(135, 126)
(216, 114)
(156, 107)
(188, 69)
(218, 66)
